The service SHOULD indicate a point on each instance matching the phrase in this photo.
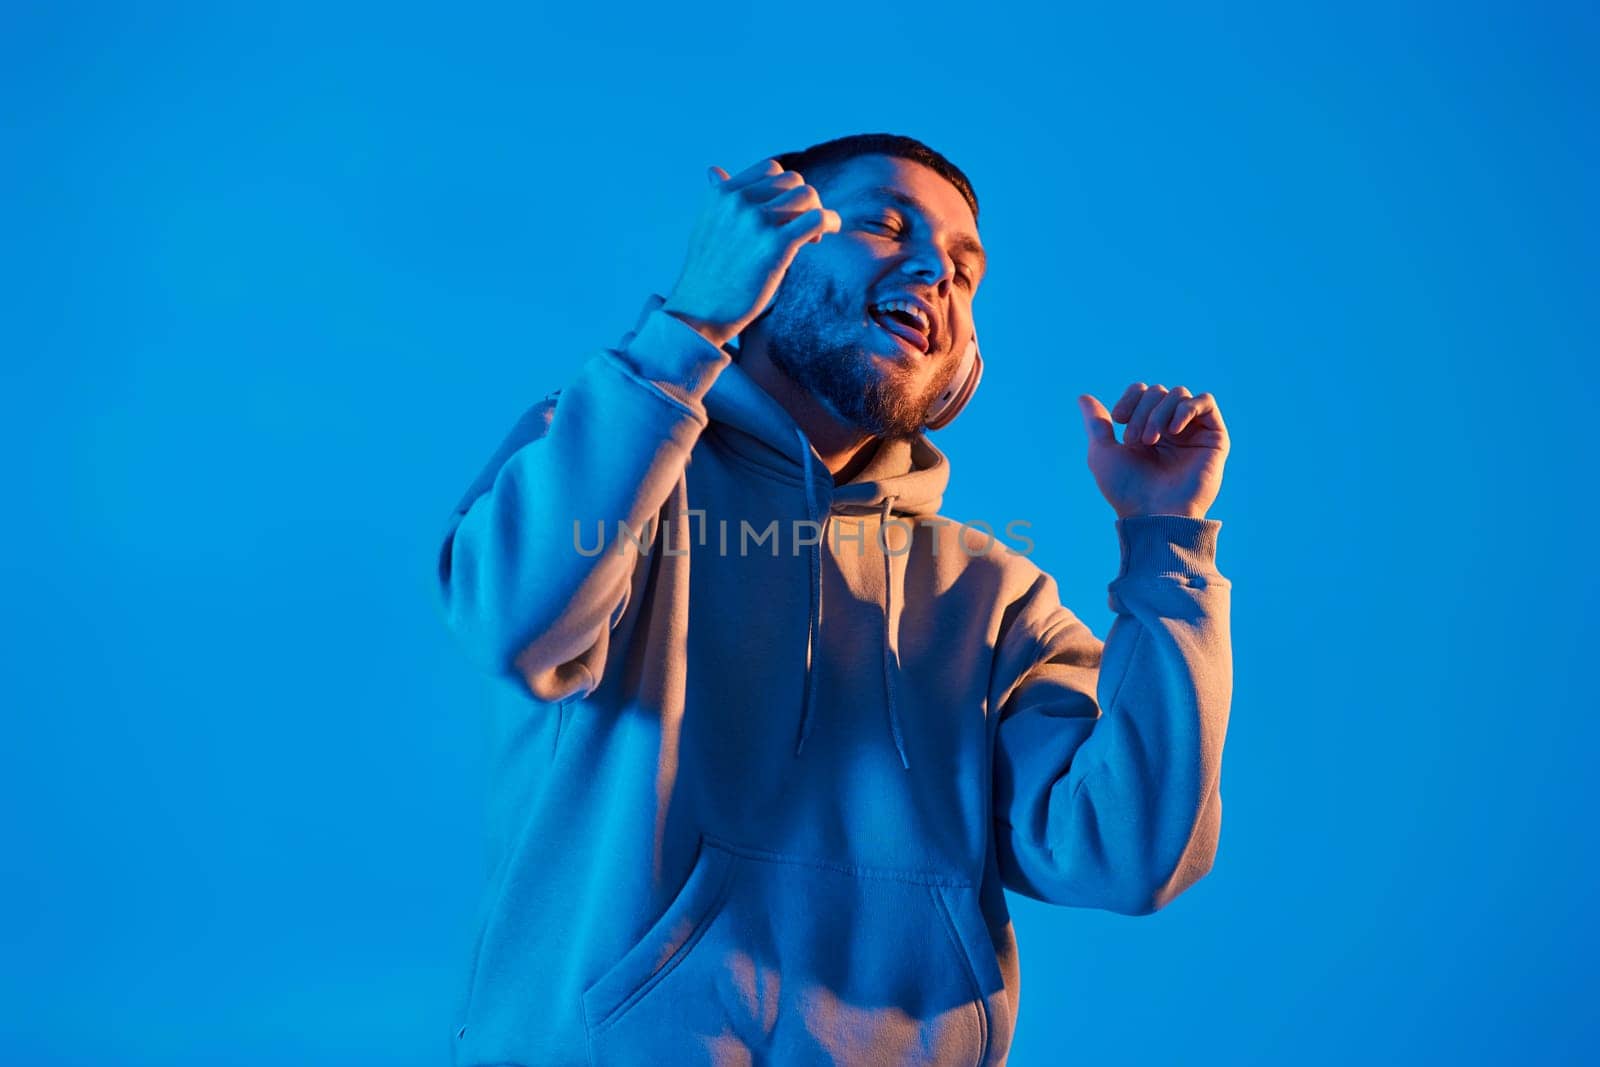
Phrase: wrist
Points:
(1147, 512)
(716, 335)
(1167, 544)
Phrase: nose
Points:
(932, 267)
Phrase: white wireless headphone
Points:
(948, 404)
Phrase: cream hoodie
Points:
(756, 798)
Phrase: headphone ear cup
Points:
(948, 404)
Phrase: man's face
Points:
(905, 233)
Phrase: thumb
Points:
(1096, 420)
(716, 174)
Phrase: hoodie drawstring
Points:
(813, 621)
(888, 614)
(808, 692)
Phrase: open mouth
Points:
(901, 324)
(909, 346)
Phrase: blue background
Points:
(276, 282)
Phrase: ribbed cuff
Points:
(674, 355)
(1167, 544)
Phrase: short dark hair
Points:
(821, 157)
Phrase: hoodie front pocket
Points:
(798, 961)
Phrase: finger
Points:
(767, 189)
(1156, 424)
(1201, 413)
(810, 226)
(1184, 414)
(753, 173)
(1130, 397)
(1097, 420)
(716, 175)
(830, 224)
(792, 202)
(1153, 396)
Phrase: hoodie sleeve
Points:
(1108, 758)
(516, 591)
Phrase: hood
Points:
(904, 477)
(911, 472)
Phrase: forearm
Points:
(1150, 769)
(1106, 756)
(515, 587)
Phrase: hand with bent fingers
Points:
(1169, 461)
(746, 237)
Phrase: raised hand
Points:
(1170, 458)
(742, 245)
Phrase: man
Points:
(767, 755)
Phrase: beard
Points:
(814, 336)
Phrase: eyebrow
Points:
(963, 242)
